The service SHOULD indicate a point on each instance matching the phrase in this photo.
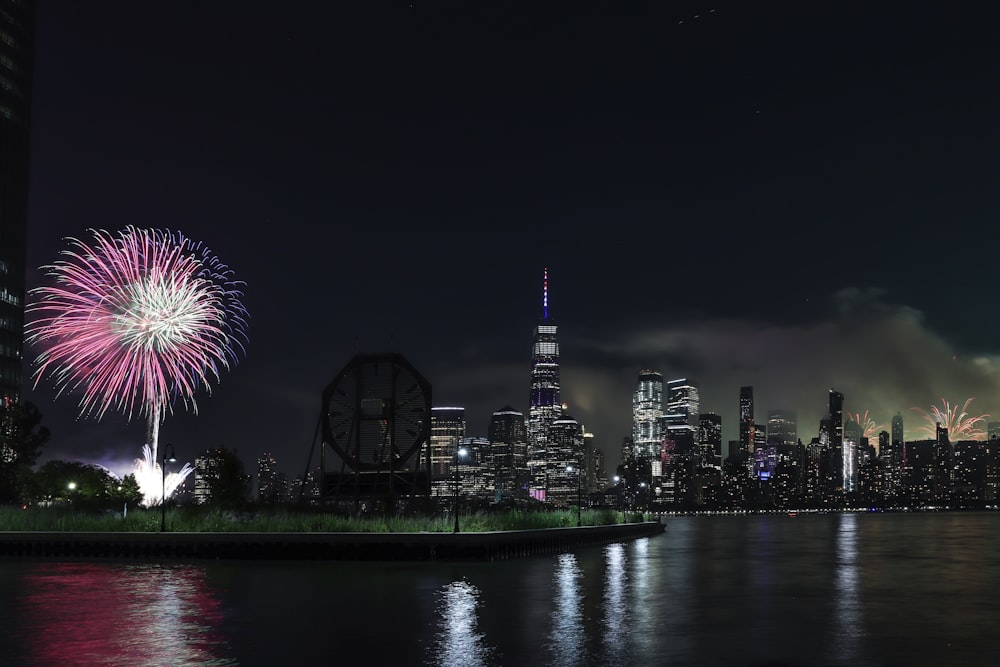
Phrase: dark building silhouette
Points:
(17, 32)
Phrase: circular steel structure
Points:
(376, 413)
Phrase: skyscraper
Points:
(475, 474)
(851, 456)
(509, 445)
(565, 461)
(782, 430)
(836, 417)
(17, 33)
(681, 415)
(898, 451)
(447, 429)
(647, 408)
(710, 439)
(543, 406)
(747, 434)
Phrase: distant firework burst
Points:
(958, 422)
(869, 428)
(134, 321)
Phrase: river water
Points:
(837, 589)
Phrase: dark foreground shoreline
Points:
(487, 546)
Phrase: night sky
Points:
(794, 196)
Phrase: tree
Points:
(126, 491)
(21, 440)
(86, 486)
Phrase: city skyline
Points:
(396, 178)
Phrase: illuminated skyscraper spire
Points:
(545, 294)
(544, 406)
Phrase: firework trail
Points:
(869, 428)
(134, 321)
(960, 426)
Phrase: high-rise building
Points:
(681, 414)
(747, 435)
(508, 438)
(851, 455)
(680, 430)
(565, 462)
(898, 440)
(836, 426)
(891, 457)
(647, 408)
(447, 429)
(475, 468)
(206, 469)
(765, 457)
(782, 430)
(17, 34)
(543, 405)
(597, 475)
(266, 472)
(710, 438)
(836, 413)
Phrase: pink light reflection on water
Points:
(121, 614)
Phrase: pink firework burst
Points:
(869, 428)
(958, 422)
(134, 321)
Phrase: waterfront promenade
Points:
(489, 546)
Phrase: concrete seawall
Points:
(490, 546)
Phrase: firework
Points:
(869, 428)
(134, 321)
(960, 426)
(152, 482)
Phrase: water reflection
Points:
(459, 642)
(566, 641)
(847, 611)
(616, 610)
(93, 614)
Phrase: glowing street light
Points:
(459, 455)
(168, 457)
(621, 495)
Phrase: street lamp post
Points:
(579, 502)
(621, 495)
(462, 451)
(168, 456)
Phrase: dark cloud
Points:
(881, 355)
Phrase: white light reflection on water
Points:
(644, 630)
(95, 614)
(567, 639)
(458, 642)
(847, 610)
(616, 616)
